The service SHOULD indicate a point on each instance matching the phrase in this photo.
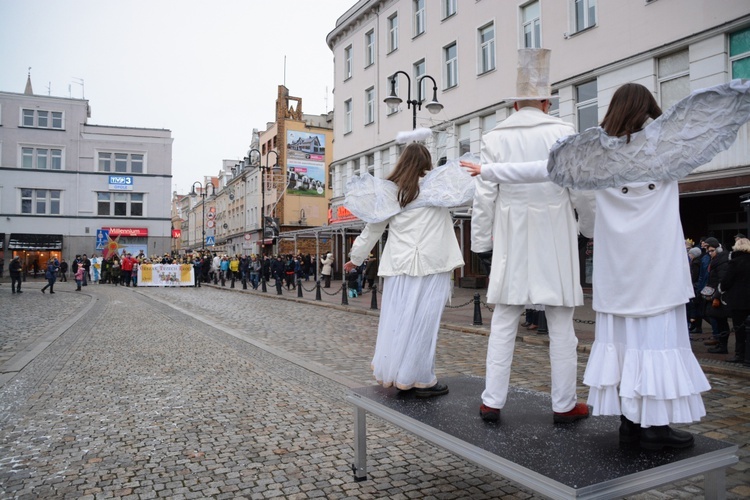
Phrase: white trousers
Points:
(562, 355)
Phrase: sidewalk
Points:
(459, 315)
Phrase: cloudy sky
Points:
(206, 70)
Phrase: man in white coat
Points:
(530, 233)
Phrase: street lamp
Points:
(393, 100)
(203, 194)
(263, 169)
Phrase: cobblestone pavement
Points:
(194, 393)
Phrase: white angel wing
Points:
(375, 200)
(684, 137)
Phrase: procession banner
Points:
(165, 275)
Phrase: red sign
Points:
(342, 215)
(176, 234)
(126, 231)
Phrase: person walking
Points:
(736, 289)
(63, 270)
(14, 269)
(51, 275)
(417, 262)
(530, 233)
(717, 314)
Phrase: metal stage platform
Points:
(579, 460)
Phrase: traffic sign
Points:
(210, 240)
(100, 245)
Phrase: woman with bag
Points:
(736, 289)
(715, 310)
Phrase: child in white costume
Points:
(641, 364)
(417, 261)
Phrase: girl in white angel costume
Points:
(641, 365)
(418, 258)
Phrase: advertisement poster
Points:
(306, 165)
(165, 275)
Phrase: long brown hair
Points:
(414, 162)
(630, 107)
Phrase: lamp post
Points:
(203, 194)
(263, 169)
(393, 100)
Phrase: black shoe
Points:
(489, 414)
(51, 293)
(430, 392)
(719, 349)
(19, 291)
(630, 432)
(42, 290)
(657, 437)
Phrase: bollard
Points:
(477, 310)
(278, 286)
(344, 295)
(299, 288)
(542, 324)
(263, 284)
(317, 290)
(374, 301)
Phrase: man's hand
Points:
(473, 168)
(349, 266)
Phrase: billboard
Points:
(306, 163)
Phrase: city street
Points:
(118, 392)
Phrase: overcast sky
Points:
(207, 70)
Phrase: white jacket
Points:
(531, 228)
(420, 242)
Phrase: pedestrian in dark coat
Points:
(64, 270)
(15, 274)
(736, 288)
(718, 315)
(51, 275)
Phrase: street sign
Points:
(100, 245)
(210, 240)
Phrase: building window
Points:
(449, 8)
(38, 118)
(41, 158)
(554, 105)
(584, 12)
(347, 116)
(40, 201)
(420, 87)
(121, 163)
(369, 48)
(531, 26)
(739, 53)
(464, 141)
(418, 17)
(369, 105)
(450, 56)
(119, 204)
(348, 62)
(393, 32)
(586, 105)
(674, 78)
(487, 48)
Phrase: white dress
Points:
(419, 256)
(641, 364)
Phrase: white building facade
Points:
(64, 181)
(470, 50)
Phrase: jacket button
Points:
(625, 190)
(651, 186)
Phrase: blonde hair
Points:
(742, 245)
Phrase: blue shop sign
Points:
(121, 182)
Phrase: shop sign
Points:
(127, 231)
(121, 182)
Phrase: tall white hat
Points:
(532, 80)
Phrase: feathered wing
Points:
(375, 200)
(686, 136)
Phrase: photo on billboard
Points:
(306, 165)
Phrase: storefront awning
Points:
(25, 241)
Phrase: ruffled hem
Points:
(651, 387)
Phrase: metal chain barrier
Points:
(471, 301)
(334, 293)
